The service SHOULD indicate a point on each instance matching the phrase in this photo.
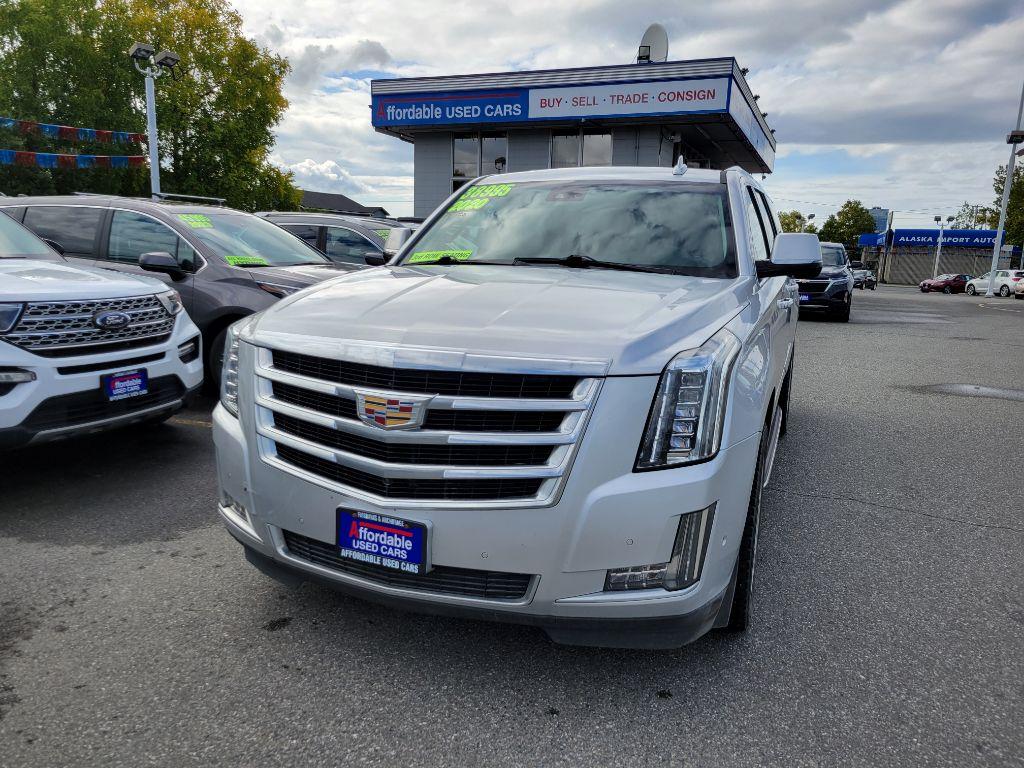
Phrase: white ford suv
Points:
(558, 406)
(85, 349)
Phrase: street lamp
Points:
(1013, 139)
(153, 65)
(938, 249)
(807, 220)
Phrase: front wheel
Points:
(843, 315)
(1018, 295)
(971, 290)
(215, 360)
(743, 590)
(1004, 291)
(947, 290)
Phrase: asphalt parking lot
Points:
(889, 624)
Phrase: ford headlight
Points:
(171, 301)
(685, 424)
(9, 314)
(229, 370)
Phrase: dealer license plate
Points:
(126, 384)
(383, 541)
(805, 297)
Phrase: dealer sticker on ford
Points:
(383, 541)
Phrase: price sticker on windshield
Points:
(196, 220)
(241, 261)
(426, 257)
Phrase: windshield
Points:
(16, 242)
(832, 256)
(243, 240)
(678, 227)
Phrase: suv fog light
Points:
(16, 376)
(683, 570)
(236, 509)
(189, 351)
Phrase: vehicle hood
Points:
(300, 276)
(632, 322)
(831, 273)
(39, 280)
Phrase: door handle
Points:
(784, 303)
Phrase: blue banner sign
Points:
(952, 238)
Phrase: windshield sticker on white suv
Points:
(426, 257)
(196, 220)
(236, 261)
(477, 197)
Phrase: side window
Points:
(346, 246)
(758, 236)
(70, 226)
(304, 232)
(133, 234)
(769, 212)
(15, 212)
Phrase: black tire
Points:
(843, 315)
(873, 287)
(786, 396)
(215, 360)
(746, 560)
(947, 290)
(971, 290)
(1004, 291)
(1018, 295)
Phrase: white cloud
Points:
(920, 91)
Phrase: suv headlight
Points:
(171, 301)
(229, 370)
(9, 314)
(685, 424)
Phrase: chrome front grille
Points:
(471, 449)
(66, 328)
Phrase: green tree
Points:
(972, 216)
(1014, 225)
(65, 61)
(847, 224)
(792, 221)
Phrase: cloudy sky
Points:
(900, 104)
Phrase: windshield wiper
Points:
(580, 261)
(448, 260)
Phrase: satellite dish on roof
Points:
(653, 45)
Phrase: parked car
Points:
(1004, 284)
(945, 283)
(85, 349)
(343, 238)
(226, 264)
(1018, 289)
(831, 290)
(864, 278)
(567, 423)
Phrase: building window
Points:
(565, 149)
(477, 154)
(597, 149)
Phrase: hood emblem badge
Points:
(110, 321)
(388, 411)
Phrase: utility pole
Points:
(938, 248)
(1015, 138)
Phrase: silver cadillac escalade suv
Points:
(558, 405)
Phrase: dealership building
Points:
(466, 126)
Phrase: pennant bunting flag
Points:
(70, 133)
(54, 160)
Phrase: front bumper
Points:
(607, 516)
(51, 406)
(833, 298)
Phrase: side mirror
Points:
(794, 254)
(54, 244)
(397, 237)
(161, 261)
(375, 258)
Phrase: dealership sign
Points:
(962, 238)
(658, 97)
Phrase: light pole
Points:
(938, 249)
(1013, 139)
(807, 221)
(153, 65)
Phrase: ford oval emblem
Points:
(110, 321)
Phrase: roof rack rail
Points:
(190, 198)
(93, 194)
(411, 219)
(316, 209)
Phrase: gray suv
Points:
(343, 238)
(226, 264)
